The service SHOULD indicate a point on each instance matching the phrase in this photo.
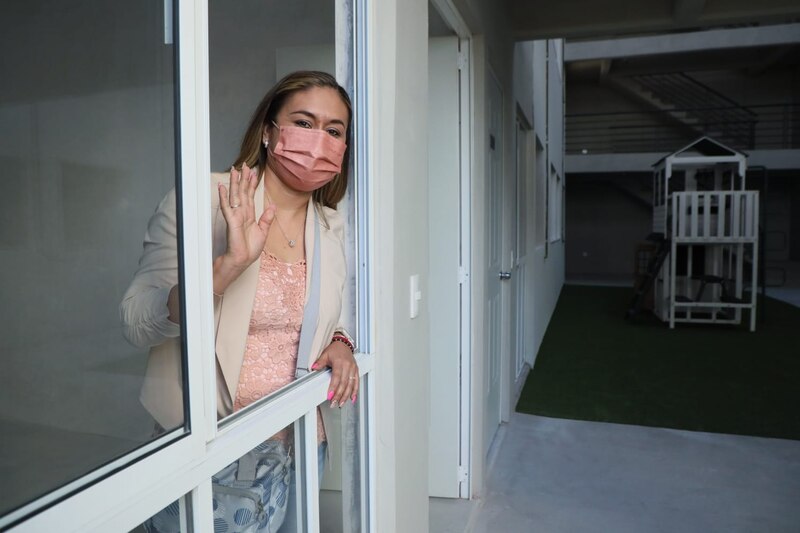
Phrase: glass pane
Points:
(86, 152)
(267, 487)
(271, 294)
(260, 489)
(244, 64)
(174, 518)
(340, 498)
(541, 194)
(522, 191)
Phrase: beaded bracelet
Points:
(344, 340)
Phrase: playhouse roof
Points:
(704, 146)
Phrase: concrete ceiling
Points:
(749, 61)
(750, 50)
(577, 19)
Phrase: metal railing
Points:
(776, 126)
(702, 104)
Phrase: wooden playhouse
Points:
(705, 223)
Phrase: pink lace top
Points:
(270, 356)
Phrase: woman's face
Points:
(317, 108)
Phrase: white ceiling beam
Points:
(779, 34)
(643, 162)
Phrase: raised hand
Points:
(246, 235)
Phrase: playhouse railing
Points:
(715, 216)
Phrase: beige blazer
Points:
(144, 312)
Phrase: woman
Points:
(293, 160)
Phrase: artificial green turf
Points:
(595, 365)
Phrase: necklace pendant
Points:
(291, 243)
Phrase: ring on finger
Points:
(352, 377)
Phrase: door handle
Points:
(505, 275)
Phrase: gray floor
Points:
(566, 476)
(451, 515)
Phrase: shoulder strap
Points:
(311, 311)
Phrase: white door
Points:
(444, 287)
(494, 248)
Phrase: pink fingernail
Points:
(330, 395)
(354, 398)
(314, 366)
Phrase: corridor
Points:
(566, 476)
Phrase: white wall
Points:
(540, 89)
(547, 267)
(524, 89)
(398, 74)
(522, 281)
(555, 106)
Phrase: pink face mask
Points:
(310, 157)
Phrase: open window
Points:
(100, 122)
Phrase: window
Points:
(522, 178)
(541, 193)
(175, 514)
(89, 128)
(555, 206)
(263, 58)
(97, 152)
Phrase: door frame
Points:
(506, 263)
(465, 179)
(453, 18)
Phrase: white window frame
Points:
(555, 205)
(540, 197)
(126, 492)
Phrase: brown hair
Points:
(253, 151)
